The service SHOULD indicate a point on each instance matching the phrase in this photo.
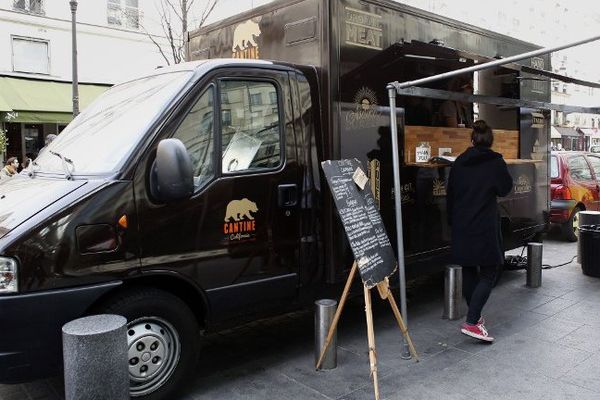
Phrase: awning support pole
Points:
(398, 206)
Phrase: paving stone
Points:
(530, 354)
(585, 338)
(585, 374)
(551, 329)
(585, 311)
(352, 373)
(554, 306)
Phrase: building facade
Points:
(116, 40)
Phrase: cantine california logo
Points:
(244, 40)
(365, 109)
(239, 221)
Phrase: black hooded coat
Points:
(477, 178)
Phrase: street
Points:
(547, 346)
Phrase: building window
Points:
(273, 97)
(226, 117)
(124, 13)
(31, 55)
(256, 99)
(224, 98)
(29, 6)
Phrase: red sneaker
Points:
(481, 321)
(477, 331)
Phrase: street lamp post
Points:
(73, 4)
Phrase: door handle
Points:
(287, 195)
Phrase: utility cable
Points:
(521, 262)
(548, 266)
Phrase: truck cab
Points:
(182, 200)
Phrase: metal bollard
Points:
(586, 218)
(95, 358)
(453, 292)
(534, 264)
(324, 313)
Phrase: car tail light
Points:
(562, 193)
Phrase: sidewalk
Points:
(547, 347)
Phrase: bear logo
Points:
(240, 209)
(244, 38)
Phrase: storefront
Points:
(570, 138)
(555, 138)
(31, 109)
(594, 136)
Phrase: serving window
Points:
(444, 125)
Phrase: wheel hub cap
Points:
(153, 353)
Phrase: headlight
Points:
(8, 275)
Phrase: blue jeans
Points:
(477, 286)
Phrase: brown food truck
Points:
(192, 197)
(354, 48)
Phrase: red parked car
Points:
(575, 186)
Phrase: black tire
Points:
(569, 228)
(156, 314)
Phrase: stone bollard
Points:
(324, 313)
(534, 264)
(453, 292)
(95, 358)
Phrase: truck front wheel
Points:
(162, 339)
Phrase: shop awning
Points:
(592, 132)
(554, 134)
(40, 101)
(567, 132)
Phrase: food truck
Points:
(192, 197)
(356, 48)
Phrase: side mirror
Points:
(172, 176)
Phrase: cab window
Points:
(595, 163)
(196, 133)
(579, 168)
(250, 126)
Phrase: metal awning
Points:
(42, 101)
(567, 132)
(554, 133)
(592, 132)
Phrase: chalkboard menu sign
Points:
(363, 224)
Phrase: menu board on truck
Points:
(361, 220)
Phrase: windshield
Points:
(102, 136)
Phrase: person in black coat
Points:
(478, 176)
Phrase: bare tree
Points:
(174, 21)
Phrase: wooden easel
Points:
(384, 293)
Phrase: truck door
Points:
(237, 237)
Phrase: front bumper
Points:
(561, 210)
(31, 326)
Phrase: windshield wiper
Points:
(64, 160)
(32, 169)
